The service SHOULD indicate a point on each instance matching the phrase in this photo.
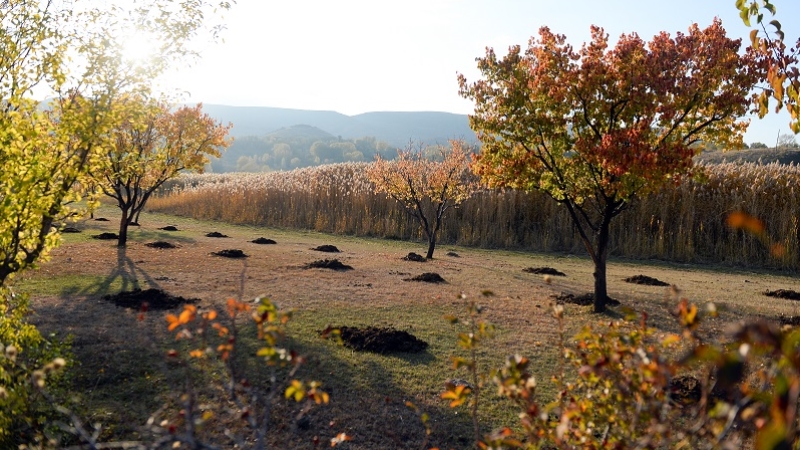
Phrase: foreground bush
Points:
(627, 385)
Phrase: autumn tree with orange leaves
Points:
(424, 187)
(597, 127)
(152, 145)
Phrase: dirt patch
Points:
(160, 244)
(106, 236)
(453, 254)
(70, 230)
(101, 219)
(427, 277)
(230, 253)
(381, 340)
(216, 234)
(783, 293)
(327, 249)
(645, 280)
(169, 228)
(685, 390)
(134, 224)
(150, 299)
(544, 271)
(333, 264)
(414, 257)
(263, 240)
(582, 300)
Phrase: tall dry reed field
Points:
(684, 223)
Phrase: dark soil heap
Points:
(327, 249)
(216, 234)
(582, 300)
(792, 321)
(160, 244)
(381, 340)
(154, 299)
(263, 240)
(105, 236)
(230, 253)
(453, 254)
(784, 293)
(644, 279)
(169, 228)
(70, 230)
(333, 264)
(414, 257)
(544, 271)
(427, 277)
(685, 390)
(101, 219)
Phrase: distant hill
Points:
(395, 128)
(299, 132)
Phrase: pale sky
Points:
(355, 56)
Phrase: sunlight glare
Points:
(139, 47)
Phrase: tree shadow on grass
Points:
(125, 273)
(120, 378)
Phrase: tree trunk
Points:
(601, 246)
(122, 240)
(431, 246)
(600, 288)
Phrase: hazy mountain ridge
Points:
(395, 128)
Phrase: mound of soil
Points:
(685, 390)
(169, 228)
(101, 219)
(327, 249)
(263, 240)
(544, 271)
(216, 234)
(784, 320)
(106, 236)
(582, 300)
(70, 230)
(147, 299)
(230, 253)
(645, 280)
(160, 244)
(784, 293)
(427, 277)
(333, 264)
(453, 254)
(381, 340)
(414, 257)
(134, 224)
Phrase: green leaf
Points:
(745, 17)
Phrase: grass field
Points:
(119, 376)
